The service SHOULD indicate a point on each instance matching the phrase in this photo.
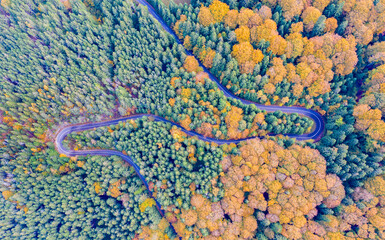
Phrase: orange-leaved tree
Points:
(205, 16)
(191, 64)
(310, 17)
(230, 19)
(244, 16)
(291, 8)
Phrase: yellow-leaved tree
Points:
(246, 56)
(218, 10)
(242, 52)
(243, 34)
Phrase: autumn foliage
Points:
(369, 120)
(317, 59)
(284, 186)
(365, 19)
(231, 18)
(310, 17)
(206, 56)
(317, 54)
(5, 3)
(246, 56)
(291, 8)
(114, 189)
(205, 17)
(182, 19)
(218, 10)
(232, 121)
(191, 64)
(66, 3)
(243, 34)
(149, 202)
(285, 176)
(7, 194)
(364, 219)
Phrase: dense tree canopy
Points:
(70, 62)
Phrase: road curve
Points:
(319, 124)
(64, 131)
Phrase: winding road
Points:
(316, 134)
(61, 134)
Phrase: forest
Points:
(75, 62)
